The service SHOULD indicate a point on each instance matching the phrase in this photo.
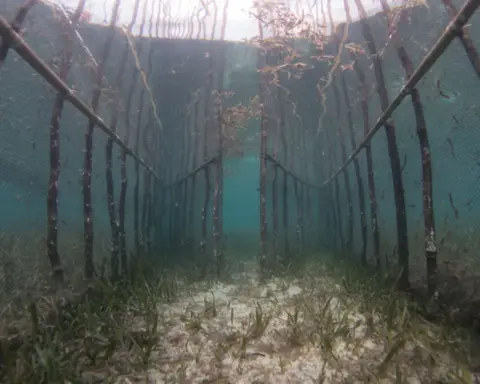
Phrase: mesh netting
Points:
(163, 122)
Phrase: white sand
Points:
(200, 346)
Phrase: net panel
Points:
(124, 105)
(162, 94)
(440, 110)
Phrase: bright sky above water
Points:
(240, 23)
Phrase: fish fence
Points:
(116, 135)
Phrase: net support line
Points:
(465, 39)
(213, 160)
(16, 23)
(26, 53)
(451, 32)
(272, 160)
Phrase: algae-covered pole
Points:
(163, 211)
(147, 139)
(341, 134)
(425, 155)
(343, 245)
(186, 152)
(337, 225)
(330, 144)
(298, 196)
(326, 195)
(346, 177)
(318, 176)
(275, 211)
(292, 165)
(175, 175)
(301, 195)
(218, 188)
(298, 232)
(154, 214)
(335, 190)
(177, 148)
(217, 247)
(123, 157)
(364, 96)
(184, 186)
(217, 123)
(196, 132)
(301, 216)
(115, 225)
(16, 24)
(146, 209)
(115, 246)
(136, 190)
(263, 150)
(206, 201)
(190, 164)
(276, 91)
(324, 170)
(150, 188)
(283, 138)
(465, 39)
(395, 165)
(53, 183)
(87, 171)
(305, 191)
(361, 192)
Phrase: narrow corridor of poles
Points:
(165, 198)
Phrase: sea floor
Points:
(311, 328)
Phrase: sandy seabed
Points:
(289, 330)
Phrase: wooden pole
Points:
(53, 183)
(394, 156)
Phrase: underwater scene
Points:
(239, 192)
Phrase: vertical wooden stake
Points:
(261, 60)
(425, 155)
(395, 165)
(53, 183)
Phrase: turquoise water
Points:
(164, 95)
